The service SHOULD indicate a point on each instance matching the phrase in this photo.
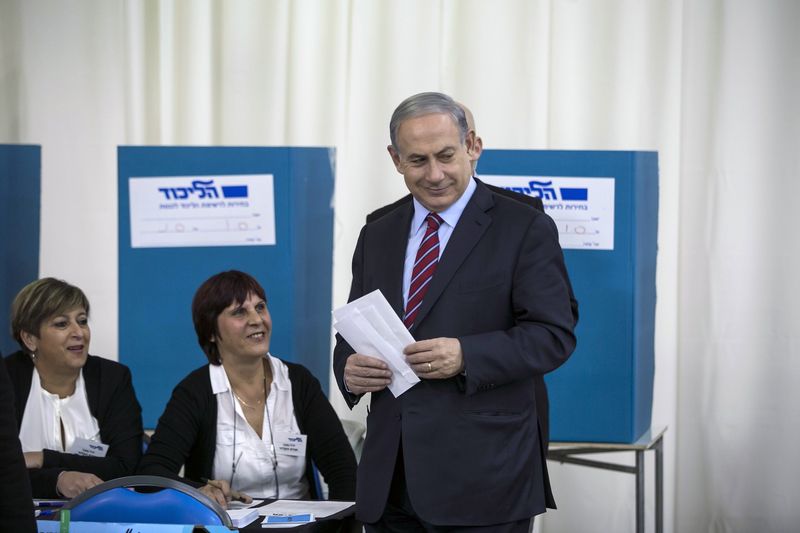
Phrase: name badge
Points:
(88, 448)
(291, 444)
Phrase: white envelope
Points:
(371, 327)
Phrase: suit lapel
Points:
(394, 240)
(469, 230)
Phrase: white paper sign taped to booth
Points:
(181, 211)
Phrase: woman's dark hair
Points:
(214, 296)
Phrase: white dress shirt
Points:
(450, 217)
(46, 413)
(254, 455)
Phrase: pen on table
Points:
(235, 494)
(48, 504)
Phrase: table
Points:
(342, 522)
(566, 452)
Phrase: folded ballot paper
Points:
(371, 327)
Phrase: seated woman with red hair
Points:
(248, 421)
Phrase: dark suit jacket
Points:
(542, 400)
(471, 444)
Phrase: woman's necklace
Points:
(247, 405)
(257, 402)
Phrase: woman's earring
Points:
(33, 357)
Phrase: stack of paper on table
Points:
(242, 517)
(371, 327)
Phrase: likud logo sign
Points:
(582, 207)
(202, 189)
(228, 210)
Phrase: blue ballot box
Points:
(20, 187)
(186, 213)
(605, 204)
(45, 526)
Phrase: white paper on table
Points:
(242, 517)
(319, 508)
(371, 327)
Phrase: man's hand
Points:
(363, 373)
(71, 484)
(435, 358)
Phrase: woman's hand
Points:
(70, 483)
(34, 459)
(218, 490)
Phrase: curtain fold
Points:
(737, 413)
(711, 85)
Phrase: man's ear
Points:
(30, 340)
(474, 145)
(395, 158)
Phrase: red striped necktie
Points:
(424, 267)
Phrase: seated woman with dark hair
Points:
(79, 421)
(248, 421)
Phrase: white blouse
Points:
(46, 413)
(255, 456)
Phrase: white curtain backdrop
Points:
(711, 85)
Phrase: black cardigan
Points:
(16, 507)
(112, 401)
(187, 433)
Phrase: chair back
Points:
(174, 503)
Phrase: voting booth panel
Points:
(187, 213)
(20, 198)
(605, 204)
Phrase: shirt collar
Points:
(80, 388)
(449, 215)
(220, 382)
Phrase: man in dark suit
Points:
(462, 448)
(542, 400)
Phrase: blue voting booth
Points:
(186, 213)
(605, 204)
(20, 191)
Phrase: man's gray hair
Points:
(428, 104)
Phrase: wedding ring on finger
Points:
(430, 367)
